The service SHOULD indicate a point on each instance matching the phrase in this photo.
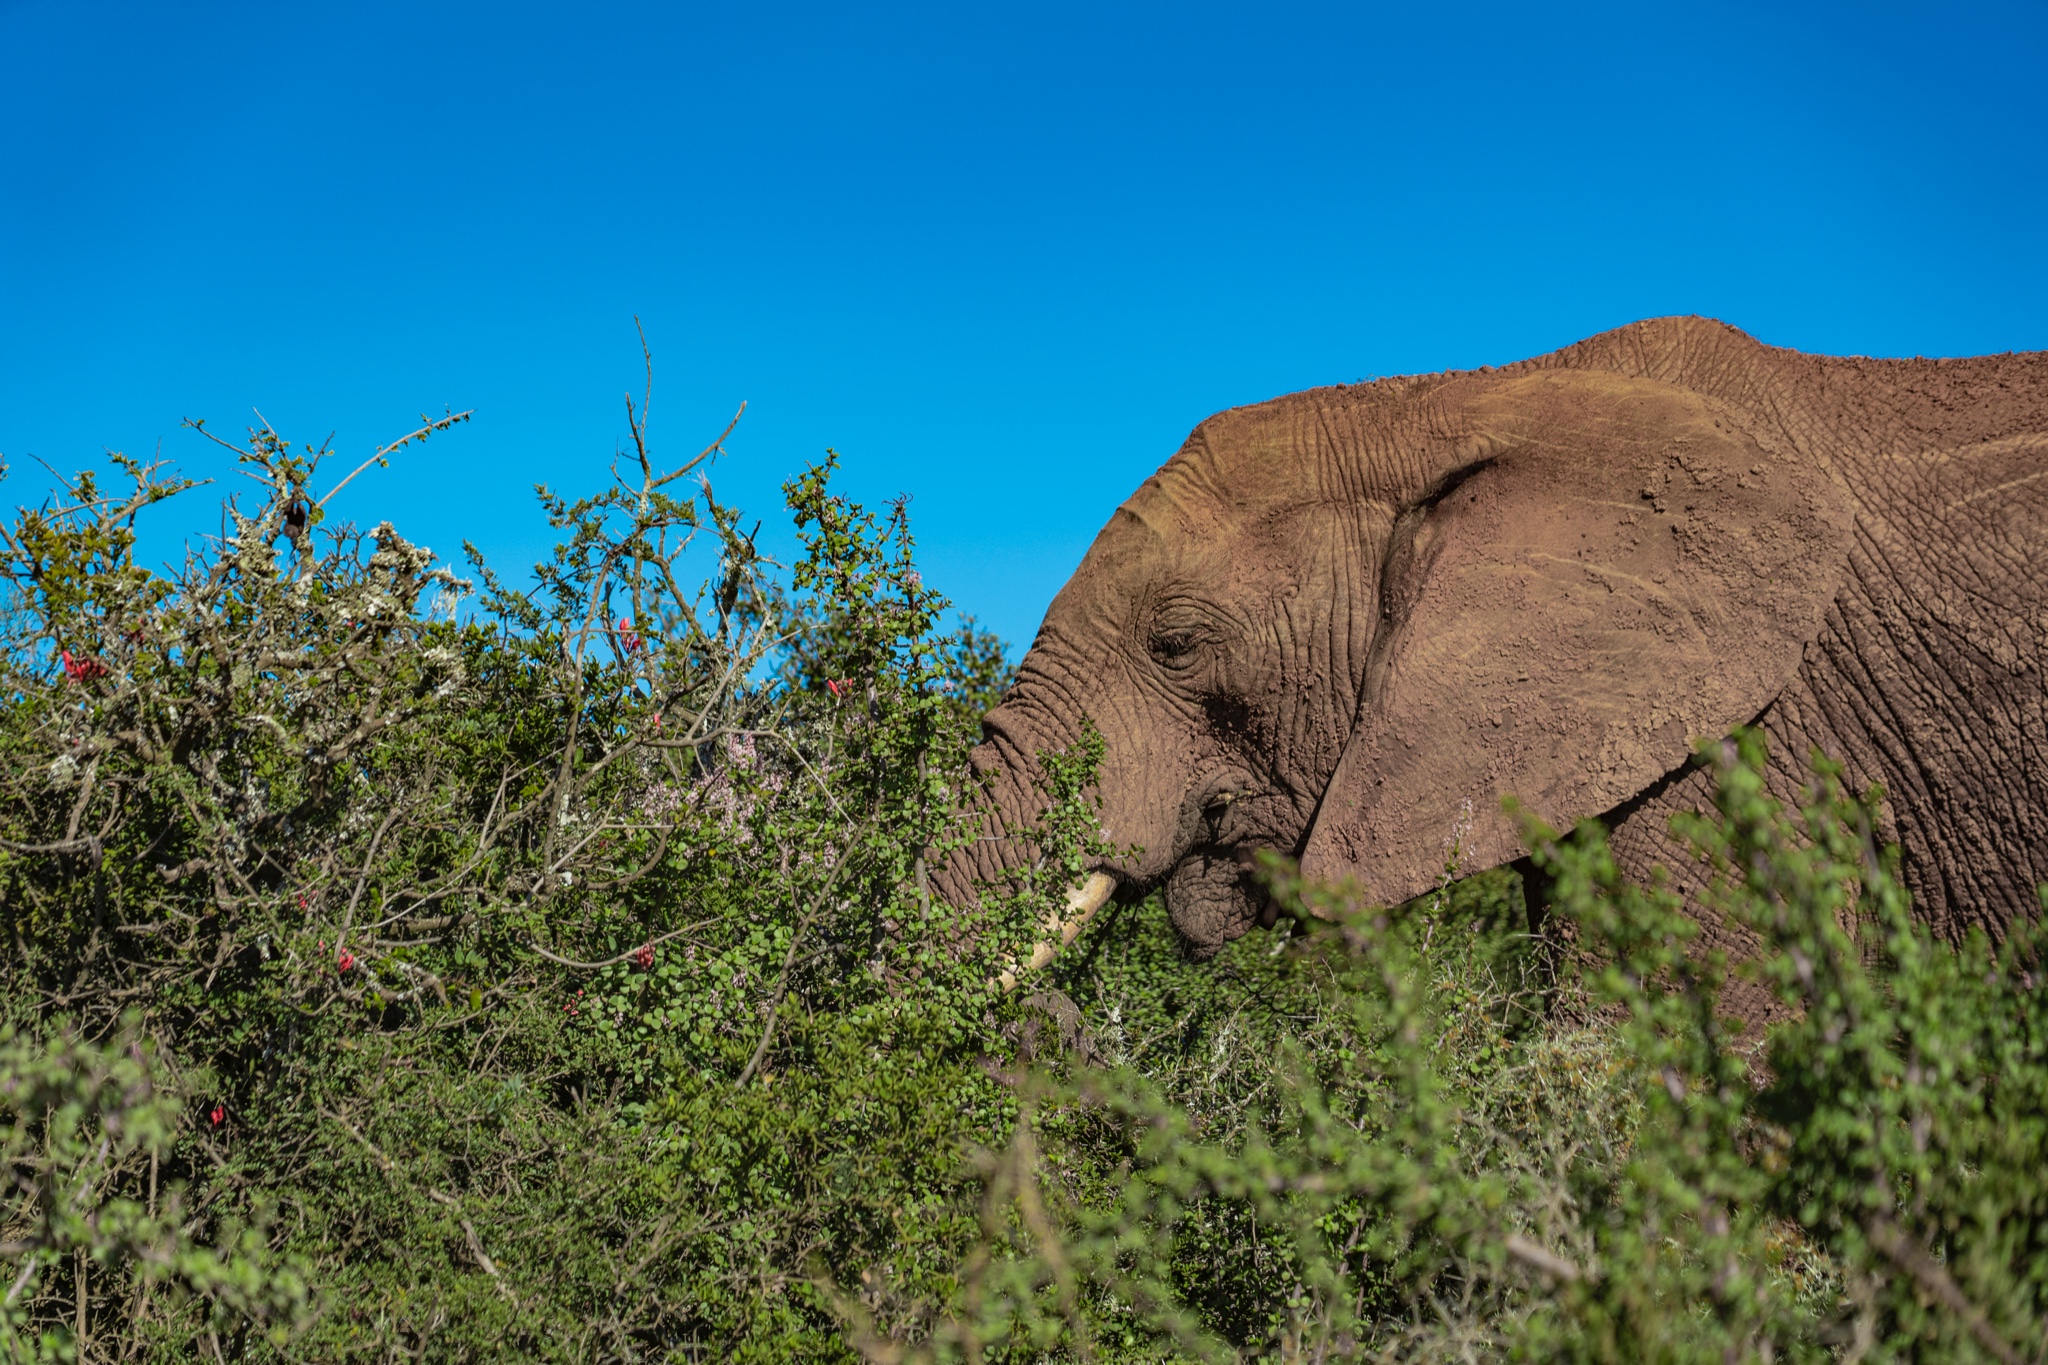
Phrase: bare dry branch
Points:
(429, 427)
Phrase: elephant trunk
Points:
(1005, 797)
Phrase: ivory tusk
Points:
(1082, 903)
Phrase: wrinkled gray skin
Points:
(1334, 618)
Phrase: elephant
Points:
(1343, 623)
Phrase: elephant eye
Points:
(1174, 646)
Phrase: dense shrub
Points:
(403, 963)
(1430, 1145)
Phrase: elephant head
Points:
(1336, 622)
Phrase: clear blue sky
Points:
(1001, 257)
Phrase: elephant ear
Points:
(1611, 569)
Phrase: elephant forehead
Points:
(1160, 525)
(1269, 489)
(1362, 443)
(1143, 547)
(1275, 454)
(1163, 533)
(1176, 534)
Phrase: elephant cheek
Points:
(1212, 898)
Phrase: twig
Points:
(774, 1006)
(615, 961)
(383, 1161)
(714, 448)
(638, 424)
(85, 845)
(28, 1268)
(1907, 1254)
(1537, 1258)
(476, 1246)
(789, 959)
(348, 914)
(436, 424)
(439, 1197)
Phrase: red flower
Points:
(839, 687)
(83, 670)
(344, 959)
(626, 636)
(219, 1115)
(644, 955)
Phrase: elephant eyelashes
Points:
(1175, 646)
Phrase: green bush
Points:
(1413, 1144)
(403, 963)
